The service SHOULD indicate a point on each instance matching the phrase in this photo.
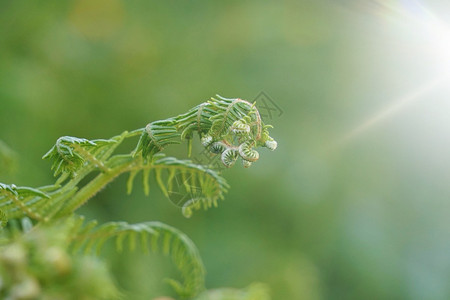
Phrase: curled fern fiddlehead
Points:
(229, 157)
(217, 147)
(247, 153)
(222, 124)
(70, 153)
(207, 140)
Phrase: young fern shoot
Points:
(230, 128)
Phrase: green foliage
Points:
(38, 265)
(12, 200)
(150, 236)
(70, 153)
(202, 186)
(3, 219)
(231, 128)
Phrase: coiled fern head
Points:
(231, 128)
(67, 153)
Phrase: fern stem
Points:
(99, 164)
(27, 211)
(92, 188)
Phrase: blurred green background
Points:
(354, 203)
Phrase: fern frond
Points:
(14, 201)
(151, 237)
(36, 264)
(69, 154)
(186, 184)
(156, 136)
(203, 187)
(228, 111)
(231, 128)
(21, 191)
(196, 119)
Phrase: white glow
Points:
(396, 106)
(431, 39)
(438, 37)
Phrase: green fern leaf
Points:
(70, 154)
(18, 202)
(152, 236)
(156, 136)
(189, 185)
